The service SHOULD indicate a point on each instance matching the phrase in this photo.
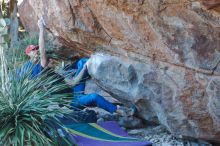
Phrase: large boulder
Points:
(171, 51)
(179, 32)
(185, 101)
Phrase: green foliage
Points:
(29, 106)
(27, 39)
(15, 57)
(4, 22)
(26, 104)
(5, 8)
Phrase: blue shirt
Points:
(80, 87)
(33, 68)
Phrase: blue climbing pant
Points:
(93, 99)
(82, 100)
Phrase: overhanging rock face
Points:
(170, 51)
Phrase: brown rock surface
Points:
(175, 45)
(211, 3)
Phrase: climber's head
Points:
(33, 52)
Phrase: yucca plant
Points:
(29, 111)
(26, 106)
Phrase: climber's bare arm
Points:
(43, 56)
(78, 78)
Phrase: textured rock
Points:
(160, 137)
(171, 51)
(185, 101)
(30, 19)
(173, 31)
(211, 3)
